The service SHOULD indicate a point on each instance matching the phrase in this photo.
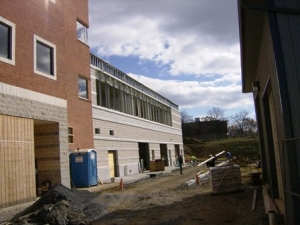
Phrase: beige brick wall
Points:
(129, 131)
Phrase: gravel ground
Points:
(162, 200)
(166, 200)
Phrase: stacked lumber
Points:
(225, 179)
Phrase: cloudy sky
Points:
(186, 50)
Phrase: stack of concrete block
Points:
(225, 179)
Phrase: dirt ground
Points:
(163, 200)
(166, 199)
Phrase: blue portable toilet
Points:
(83, 165)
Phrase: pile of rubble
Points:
(61, 206)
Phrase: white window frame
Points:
(39, 39)
(13, 44)
(83, 38)
(70, 135)
(86, 87)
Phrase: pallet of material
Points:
(157, 165)
(225, 179)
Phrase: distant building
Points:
(205, 130)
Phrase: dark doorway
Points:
(177, 153)
(144, 155)
(164, 153)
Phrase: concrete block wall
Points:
(44, 109)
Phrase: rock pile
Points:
(61, 206)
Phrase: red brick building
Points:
(45, 105)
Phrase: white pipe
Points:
(200, 164)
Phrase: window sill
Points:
(84, 99)
(83, 43)
(8, 61)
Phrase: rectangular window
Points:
(97, 130)
(70, 135)
(82, 34)
(117, 96)
(82, 87)
(7, 41)
(104, 95)
(44, 58)
(98, 96)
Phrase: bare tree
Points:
(185, 117)
(250, 127)
(214, 113)
(239, 122)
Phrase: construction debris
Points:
(202, 177)
(61, 206)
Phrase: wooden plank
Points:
(30, 126)
(29, 178)
(17, 160)
(20, 168)
(13, 162)
(6, 124)
(268, 202)
(200, 164)
(8, 158)
(13, 178)
(254, 200)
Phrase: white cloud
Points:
(188, 94)
(193, 39)
(197, 44)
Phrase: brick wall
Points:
(55, 23)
